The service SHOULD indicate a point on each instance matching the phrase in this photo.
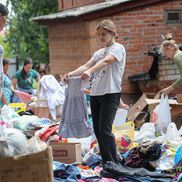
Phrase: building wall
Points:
(69, 46)
(139, 31)
(68, 4)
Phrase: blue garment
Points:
(93, 161)
(6, 89)
(65, 172)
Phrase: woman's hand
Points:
(123, 105)
(66, 77)
(85, 75)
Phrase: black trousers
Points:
(103, 110)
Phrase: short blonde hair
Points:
(108, 25)
(167, 44)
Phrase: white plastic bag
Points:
(146, 133)
(12, 142)
(120, 117)
(173, 133)
(8, 115)
(161, 115)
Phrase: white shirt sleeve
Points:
(117, 52)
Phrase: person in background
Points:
(7, 92)
(170, 49)
(42, 72)
(36, 66)
(3, 18)
(108, 65)
(25, 79)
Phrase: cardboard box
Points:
(42, 112)
(37, 167)
(148, 102)
(66, 152)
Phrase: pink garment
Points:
(4, 124)
(24, 97)
(107, 180)
(98, 169)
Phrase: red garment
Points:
(24, 97)
(46, 134)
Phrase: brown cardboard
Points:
(135, 112)
(137, 108)
(42, 112)
(37, 167)
(66, 152)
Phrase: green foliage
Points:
(26, 38)
(4, 43)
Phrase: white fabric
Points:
(53, 92)
(108, 80)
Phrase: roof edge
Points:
(115, 8)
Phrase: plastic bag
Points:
(8, 115)
(13, 142)
(146, 133)
(120, 117)
(161, 115)
(172, 132)
(35, 145)
(18, 107)
(124, 136)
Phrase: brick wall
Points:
(167, 75)
(68, 4)
(139, 31)
(69, 46)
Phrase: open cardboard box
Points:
(148, 101)
(36, 167)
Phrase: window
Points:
(173, 16)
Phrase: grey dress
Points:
(74, 119)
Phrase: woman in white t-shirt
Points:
(107, 64)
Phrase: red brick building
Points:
(140, 24)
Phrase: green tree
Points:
(26, 38)
(4, 43)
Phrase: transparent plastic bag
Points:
(124, 136)
(8, 115)
(12, 142)
(146, 133)
(35, 145)
(161, 115)
(172, 133)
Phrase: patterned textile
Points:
(74, 121)
(6, 90)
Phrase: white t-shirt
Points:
(108, 80)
